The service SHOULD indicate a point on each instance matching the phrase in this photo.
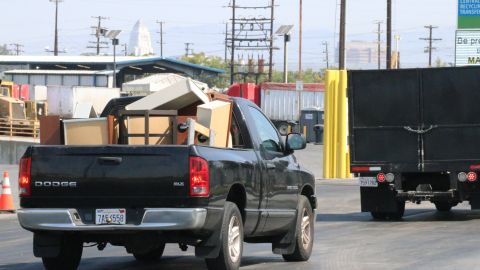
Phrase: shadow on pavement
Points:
(127, 263)
(411, 215)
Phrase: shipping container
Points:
(282, 103)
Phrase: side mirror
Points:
(295, 141)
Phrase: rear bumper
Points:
(163, 219)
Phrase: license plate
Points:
(368, 182)
(110, 216)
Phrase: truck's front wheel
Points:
(231, 237)
(304, 233)
(69, 257)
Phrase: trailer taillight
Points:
(471, 177)
(24, 177)
(199, 177)
(381, 177)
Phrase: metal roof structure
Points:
(126, 65)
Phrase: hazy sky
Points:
(31, 22)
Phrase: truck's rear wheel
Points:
(69, 257)
(231, 237)
(443, 206)
(151, 255)
(395, 215)
(304, 234)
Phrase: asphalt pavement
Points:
(345, 238)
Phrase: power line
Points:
(161, 37)
(17, 48)
(99, 32)
(379, 42)
(430, 41)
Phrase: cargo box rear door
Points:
(382, 106)
(451, 106)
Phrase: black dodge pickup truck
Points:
(142, 197)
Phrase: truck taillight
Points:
(381, 177)
(24, 177)
(472, 177)
(199, 177)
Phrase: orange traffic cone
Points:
(6, 199)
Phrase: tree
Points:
(4, 50)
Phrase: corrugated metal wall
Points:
(283, 104)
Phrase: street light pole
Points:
(115, 43)
(286, 39)
(55, 43)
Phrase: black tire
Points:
(69, 257)
(397, 215)
(379, 215)
(151, 255)
(283, 128)
(227, 260)
(303, 236)
(443, 206)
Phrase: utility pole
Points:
(343, 14)
(389, 34)
(270, 62)
(430, 41)
(161, 37)
(226, 42)
(17, 48)
(99, 33)
(55, 43)
(397, 51)
(325, 51)
(300, 42)
(188, 51)
(125, 51)
(379, 43)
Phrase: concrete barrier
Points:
(12, 148)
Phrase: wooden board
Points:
(216, 115)
(86, 131)
(50, 131)
(157, 125)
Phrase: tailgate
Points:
(126, 176)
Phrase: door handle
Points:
(270, 165)
(110, 160)
(419, 131)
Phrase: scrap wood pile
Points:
(182, 113)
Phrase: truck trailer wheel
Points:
(231, 237)
(443, 206)
(151, 255)
(396, 215)
(304, 234)
(69, 257)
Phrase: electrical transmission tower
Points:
(55, 43)
(99, 32)
(188, 50)
(379, 42)
(430, 41)
(251, 33)
(17, 48)
(161, 37)
(325, 51)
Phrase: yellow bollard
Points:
(327, 132)
(342, 126)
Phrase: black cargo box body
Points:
(415, 120)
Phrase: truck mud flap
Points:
(378, 199)
(475, 201)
